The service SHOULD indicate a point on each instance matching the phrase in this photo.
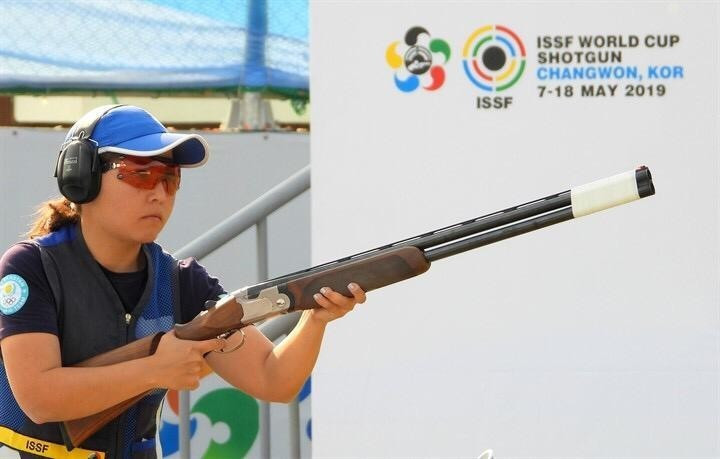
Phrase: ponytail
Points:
(51, 215)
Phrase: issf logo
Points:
(493, 58)
(419, 61)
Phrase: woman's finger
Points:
(357, 292)
(328, 305)
(337, 298)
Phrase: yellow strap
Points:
(44, 448)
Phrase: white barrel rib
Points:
(604, 194)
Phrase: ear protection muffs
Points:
(79, 169)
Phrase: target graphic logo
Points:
(494, 58)
(419, 62)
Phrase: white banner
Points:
(595, 338)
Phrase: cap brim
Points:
(189, 150)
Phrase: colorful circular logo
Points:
(494, 58)
(413, 65)
(14, 293)
(223, 423)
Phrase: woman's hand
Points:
(335, 305)
(178, 363)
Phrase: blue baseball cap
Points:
(130, 130)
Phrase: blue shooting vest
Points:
(92, 320)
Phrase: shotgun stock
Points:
(371, 270)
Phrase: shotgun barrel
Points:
(577, 202)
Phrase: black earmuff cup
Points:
(78, 171)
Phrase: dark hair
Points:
(51, 215)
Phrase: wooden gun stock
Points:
(76, 431)
(213, 322)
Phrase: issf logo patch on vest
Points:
(14, 293)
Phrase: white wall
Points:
(595, 338)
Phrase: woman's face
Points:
(129, 213)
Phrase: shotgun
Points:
(371, 270)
